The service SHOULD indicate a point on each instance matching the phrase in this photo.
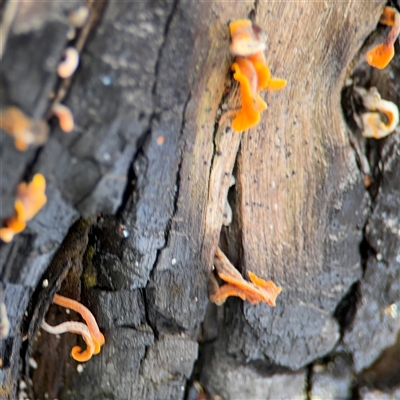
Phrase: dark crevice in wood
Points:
(230, 240)
(346, 310)
(214, 144)
(253, 12)
(148, 319)
(132, 178)
(198, 366)
(10, 274)
(366, 251)
(162, 47)
(96, 242)
(177, 187)
(69, 255)
(308, 382)
(130, 187)
(354, 392)
(30, 167)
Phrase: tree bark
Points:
(137, 194)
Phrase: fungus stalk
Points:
(97, 336)
(78, 328)
(91, 334)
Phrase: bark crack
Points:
(145, 137)
(255, 6)
(130, 188)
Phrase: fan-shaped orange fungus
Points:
(32, 196)
(25, 130)
(30, 199)
(252, 103)
(256, 291)
(373, 125)
(251, 71)
(381, 55)
(265, 80)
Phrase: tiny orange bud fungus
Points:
(65, 117)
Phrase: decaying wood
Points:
(151, 167)
(297, 177)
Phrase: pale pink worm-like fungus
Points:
(74, 327)
(68, 66)
(97, 336)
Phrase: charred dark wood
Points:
(136, 196)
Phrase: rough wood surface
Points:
(149, 169)
(298, 184)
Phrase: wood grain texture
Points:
(178, 288)
(298, 182)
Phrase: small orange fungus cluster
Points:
(30, 199)
(91, 334)
(65, 117)
(25, 130)
(256, 291)
(251, 71)
(381, 55)
(373, 124)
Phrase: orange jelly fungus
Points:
(252, 103)
(251, 71)
(25, 130)
(381, 55)
(30, 199)
(256, 291)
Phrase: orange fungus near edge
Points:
(381, 55)
(30, 199)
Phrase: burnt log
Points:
(137, 194)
